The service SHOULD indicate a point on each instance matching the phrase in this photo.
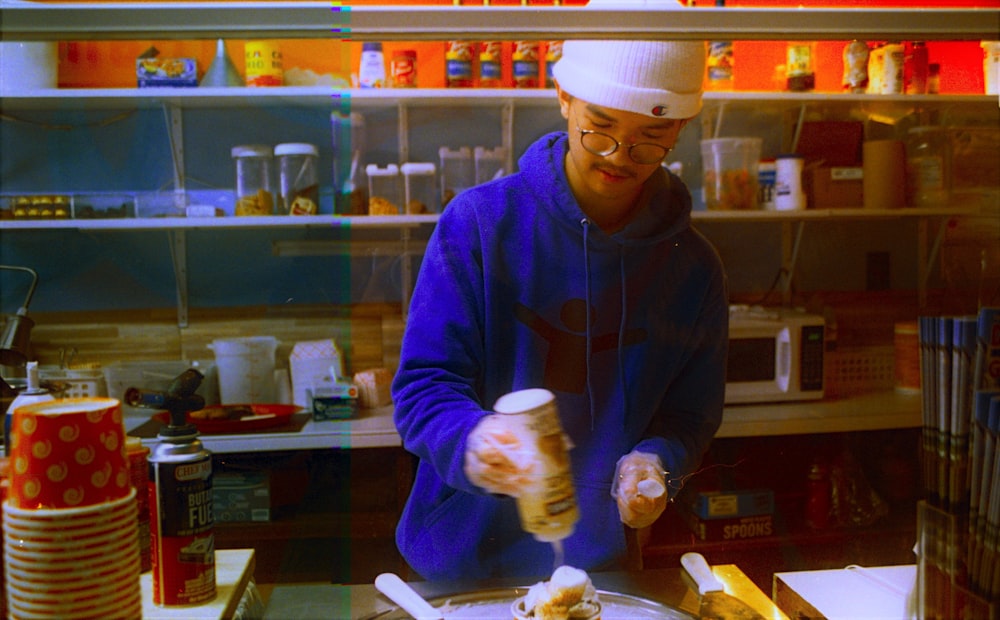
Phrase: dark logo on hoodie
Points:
(566, 361)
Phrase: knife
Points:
(715, 602)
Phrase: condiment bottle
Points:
(32, 393)
(818, 496)
(490, 67)
(404, 69)
(458, 64)
(525, 64)
(856, 66)
(254, 195)
(553, 52)
(915, 69)
(371, 72)
(719, 68)
(297, 164)
(799, 67)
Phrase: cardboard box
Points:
(241, 496)
(334, 400)
(152, 70)
(313, 363)
(737, 528)
(729, 504)
(834, 187)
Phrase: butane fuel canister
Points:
(181, 519)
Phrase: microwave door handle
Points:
(783, 361)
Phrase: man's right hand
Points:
(496, 459)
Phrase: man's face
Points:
(616, 177)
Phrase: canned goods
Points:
(524, 61)
(264, 65)
(404, 69)
(458, 63)
(181, 520)
(547, 506)
(490, 64)
(138, 467)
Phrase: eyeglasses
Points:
(603, 145)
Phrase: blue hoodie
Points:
(518, 289)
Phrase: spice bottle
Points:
(297, 163)
(915, 69)
(254, 195)
(458, 63)
(799, 68)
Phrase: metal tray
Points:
(495, 605)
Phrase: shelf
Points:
(393, 222)
(867, 412)
(262, 20)
(326, 96)
(401, 222)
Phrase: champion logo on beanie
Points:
(655, 78)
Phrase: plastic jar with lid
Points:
(254, 179)
(928, 166)
(297, 162)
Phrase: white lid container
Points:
(385, 194)
(420, 187)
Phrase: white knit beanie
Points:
(662, 79)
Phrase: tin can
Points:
(403, 69)
(182, 531)
(525, 64)
(490, 64)
(547, 507)
(458, 63)
(264, 65)
(138, 468)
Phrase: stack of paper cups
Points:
(788, 194)
(71, 547)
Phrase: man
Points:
(579, 274)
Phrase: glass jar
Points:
(254, 179)
(928, 166)
(298, 181)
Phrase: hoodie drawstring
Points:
(621, 332)
(586, 278)
(585, 223)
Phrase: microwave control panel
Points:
(811, 362)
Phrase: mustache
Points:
(614, 170)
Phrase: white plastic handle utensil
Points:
(406, 597)
(701, 572)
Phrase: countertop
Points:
(233, 572)
(883, 592)
(668, 586)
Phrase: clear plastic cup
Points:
(729, 173)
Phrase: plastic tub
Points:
(246, 369)
(729, 169)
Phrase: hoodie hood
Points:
(666, 213)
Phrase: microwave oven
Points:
(775, 355)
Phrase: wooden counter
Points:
(233, 572)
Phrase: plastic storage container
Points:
(298, 180)
(254, 179)
(928, 166)
(349, 184)
(246, 369)
(457, 172)
(420, 187)
(729, 173)
(490, 163)
(385, 194)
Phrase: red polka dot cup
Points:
(68, 454)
